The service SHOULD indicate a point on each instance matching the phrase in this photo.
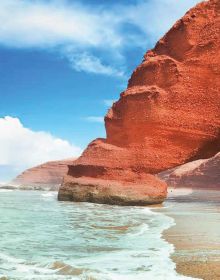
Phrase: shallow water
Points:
(197, 231)
(41, 238)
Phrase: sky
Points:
(62, 64)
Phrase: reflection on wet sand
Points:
(196, 235)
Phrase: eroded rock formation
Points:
(45, 176)
(168, 115)
(200, 174)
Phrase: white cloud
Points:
(21, 148)
(87, 30)
(52, 23)
(59, 26)
(95, 119)
(155, 18)
(91, 64)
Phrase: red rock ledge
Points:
(168, 115)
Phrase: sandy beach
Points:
(196, 235)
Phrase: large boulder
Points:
(168, 115)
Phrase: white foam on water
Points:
(103, 242)
(147, 259)
(20, 265)
(49, 194)
(23, 270)
(140, 230)
(151, 263)
(5, 190)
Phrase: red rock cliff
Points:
(168, 115)
(200, 174)
(48, 175)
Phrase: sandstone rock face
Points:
(168, 115)
(114, 192)
(200, 174)
(45, 176)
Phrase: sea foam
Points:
(47, 239)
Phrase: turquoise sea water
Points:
(41, 238)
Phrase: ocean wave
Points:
(139, 230)
(49, 194)
(5, 190)
(82, 241)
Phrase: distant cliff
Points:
(201, 174)
(45, 176)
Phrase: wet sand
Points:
(196, 235)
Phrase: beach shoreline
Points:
(196, 233)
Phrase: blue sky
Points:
(62, 63)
